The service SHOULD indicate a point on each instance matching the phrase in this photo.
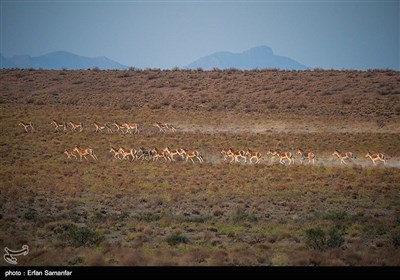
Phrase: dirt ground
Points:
(113, 212)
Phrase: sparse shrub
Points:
(126, 106)
(125, 74)
(395, 237)
(336, 216)
(381, 230)
(315, 239)
(30, 214)
(198, 219)
(155, 106)
(218, 212)
(242, 215)
(165, 103)
(159, 85)
(76, 260)
(74, 216)
(175, 239)
(96, 68)
(152, 76)
(346, 101)
(232, 70)
(232, 104)
(336, 238)
(272, 106)
(303, 106)
(71, 102)
(397, 109)
(83, 236)
(60, 227)
(148, 217)
(380, 123)
(40, 102)
(239, 215)
(123, 216)
(100, 216)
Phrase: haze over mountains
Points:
(59, 60)
(256, 58)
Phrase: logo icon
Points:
(9, 256)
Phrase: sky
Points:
(166, 34)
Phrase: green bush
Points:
(100, 216)
(83, 236)
(336, 216)
(395, 236)
(241, 215)
(196, 219)
(336, 238)
(175, 239)
(30, 214)
(317, 239)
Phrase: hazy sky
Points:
(327, 34)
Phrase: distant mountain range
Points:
(59, 60)
(256, 58)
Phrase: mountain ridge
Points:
(59, 60)
(261, 57)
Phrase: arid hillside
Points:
(353, 94)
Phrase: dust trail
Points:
(265, 129)
(321, 162)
